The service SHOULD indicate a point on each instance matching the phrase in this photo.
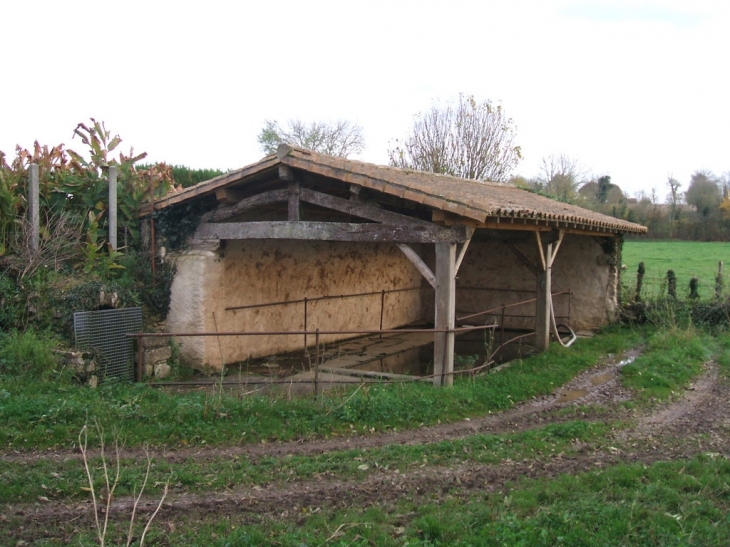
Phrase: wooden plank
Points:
(541, 253)
(443, 348)
(526, 261)
(464, 247)
(248, 204)
(542, 305)
(366, 373)
(414, 257)
(361, 210)
(556, 246)
(323, 231)
(294, 205)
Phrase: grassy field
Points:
(687, 258)
(672, 497)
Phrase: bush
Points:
(28, 353)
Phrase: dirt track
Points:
(696, 422)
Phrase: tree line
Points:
(475, 139)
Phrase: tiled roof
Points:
(477, 200)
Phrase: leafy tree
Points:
(340, 138)
(466, 138)
(703, 193)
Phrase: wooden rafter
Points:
(418, 262)
(248, 204)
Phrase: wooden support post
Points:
(139, 376)
(543, 302)
(113, 207)
(33, 207)
(443, 347)
(542, 308)
(295, 211)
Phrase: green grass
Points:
(687, 258)
(670, 360)
(680, 503)
(677, 503)
(36, 414)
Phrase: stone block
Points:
(162, 370)
(155, 355)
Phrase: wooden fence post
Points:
(113, 207)
(33, 207)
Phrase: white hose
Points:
(555, 327)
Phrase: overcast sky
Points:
(637, 90)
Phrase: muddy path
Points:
(696, 422)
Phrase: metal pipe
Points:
(457, 330)
(317, 298)
(523, 302)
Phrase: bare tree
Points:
(339, 138)
(560, 175)
(465, 139)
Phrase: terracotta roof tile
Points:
(476, 200)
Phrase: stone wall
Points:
(245, 273)
(492, 276)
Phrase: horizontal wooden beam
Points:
(328, 231)
(259, 200)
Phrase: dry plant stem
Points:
(346, 400)
(157, 510)
(101, 529)
(139, 496)
(83, 443)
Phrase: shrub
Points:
(28, 353)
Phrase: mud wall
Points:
(245, 273)
(492, 276)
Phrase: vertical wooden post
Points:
(543, 300)
(113, 207)
(140, 359)
(294, 205)
(382, 312)
(443, 347)
(718, 282)
(33, 207)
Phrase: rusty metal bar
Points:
(318, 298)
(495, 289)
(382, 310)
(523, 302)
(501, 334)
(457, 330)
(503, 344)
